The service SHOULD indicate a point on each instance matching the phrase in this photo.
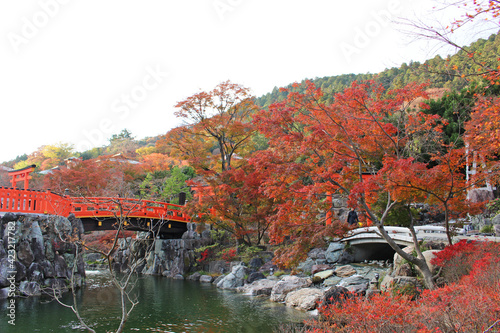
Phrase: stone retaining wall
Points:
(37, 254)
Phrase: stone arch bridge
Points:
(368, 244)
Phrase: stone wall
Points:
(167, 257)
(41, 251)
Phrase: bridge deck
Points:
(96, 213)
(402, 236)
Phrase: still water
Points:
(165, 305)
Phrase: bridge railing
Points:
(137, 208)
(401, 233)
(46, 202)
(33, 202)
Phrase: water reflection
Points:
(165, 305)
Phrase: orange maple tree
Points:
(91, 178)
(369, 142)
(220, 117)
(232, 201)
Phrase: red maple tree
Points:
(368, 145)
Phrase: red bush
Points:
(204, 255)
(229, 254)
(471, 304)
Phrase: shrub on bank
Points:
(468, 301)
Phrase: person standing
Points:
(352, 217)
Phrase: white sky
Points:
(78, 71)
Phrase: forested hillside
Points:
(454, 72)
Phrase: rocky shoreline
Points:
(46, 261)
(326, 273)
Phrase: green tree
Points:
(123, 143)
(176, 184)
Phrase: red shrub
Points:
(229, 254)
(204, 255)
(382, 313)
(471, 304)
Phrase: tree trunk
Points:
(420, 263)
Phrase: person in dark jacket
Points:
(352, 217)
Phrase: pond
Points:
(165, 305)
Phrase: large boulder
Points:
(255, 263)
(332, 281)
(407, 282)
(259, 287)
(218, 279)
(287, 284)
(24, 253)
(255, 276)
(47, 269)
(334, 252)
(4, 272)
(36, 235)
(345, 258)
(3, 253)
(218, 267)
(345, 271)
(429, 255)
(304, 299)
(398, 260)
(306, 266)
(21, 271)
(335, 295)
(320, 268)
(355, 284)
(206, 279)
(31, 288)
(234, 279)
(387, 283)
(403, 270)
(316, 254)
(93, 257)
(4, 292)
(60, 267)
(35, 272)
(398, 282)
(268, 267)
(321, 276)
(480, 195)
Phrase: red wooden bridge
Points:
(98, 213)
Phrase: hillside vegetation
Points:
(454, 72)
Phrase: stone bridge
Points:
(368, 244)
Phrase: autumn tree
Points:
(88, 178)
(222, 115)
(360, 146)
(216, 140)
(182, 143)
(48, 156)
(124, 143)
(233, 201)
(483, 141)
